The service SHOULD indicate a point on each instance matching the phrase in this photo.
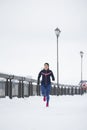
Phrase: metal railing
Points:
(17, 86)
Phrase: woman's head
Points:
(46, 66)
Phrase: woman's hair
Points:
(47, 64)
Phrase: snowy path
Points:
(64, 113)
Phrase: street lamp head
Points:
(81, 53)
(57, 32)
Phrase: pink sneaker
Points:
(44, 98)
(47, 104)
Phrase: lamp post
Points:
(81, 54)
(57, 32)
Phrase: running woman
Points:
(46, 74)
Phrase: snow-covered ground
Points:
(64, 113)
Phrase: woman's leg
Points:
(48, 93)
(43, 90)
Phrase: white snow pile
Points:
(64, 113)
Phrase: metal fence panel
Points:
(14, 89)
(2, 89)
(26, 90)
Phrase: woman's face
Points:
(46, 67)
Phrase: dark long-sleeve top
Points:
(46, 74)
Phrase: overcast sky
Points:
(27, 37)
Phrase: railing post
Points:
(19, 90)
(55, 90)
(64, 90)
(75, 90)
(22, 89)
(6, 87)
(72, 91)
(28, 89)
(31, 89)
(38, 90)
(10, 90)
(58, 91)
(68, 90)
(51, 91)
(79, 91)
